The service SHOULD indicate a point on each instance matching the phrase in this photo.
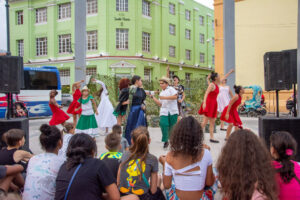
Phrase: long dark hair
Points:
(285, 146)
(81, 146)
(245, 166)
(213, 76)
(49, 138)
(135, 78)
(237, 89)
(187, 138)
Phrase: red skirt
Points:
(58, 116)
(233, 118)
(72, 108)
(211, 109)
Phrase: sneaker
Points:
(166, 145)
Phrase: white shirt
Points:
(41, 176)
(62, 152)
(168, 106)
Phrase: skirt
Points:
(105, 118)
(87, 124)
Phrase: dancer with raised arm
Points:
(105, 119)
(75, 104)
(58, 115)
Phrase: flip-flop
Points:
(213, 141)
(223, 129)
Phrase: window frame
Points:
(202, 39)
(188, 54)
(92, 40)
(187, 14)
(174, 29)
(64, 43)
(20, 47)
(172, 10)
(41, 15)
(146, 8)
(122, 5)
(91, 7)
(146, 42)
(213, 60)
(201, 20)
(174, 50)
(188, 34)
(20, 17)
(122, 39)
(202, 55)
(41, 46)
(64, 11)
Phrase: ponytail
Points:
(237, 89)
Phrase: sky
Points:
(208, 3)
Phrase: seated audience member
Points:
(85, 176)
(283, 149)
(138, 172)
(20, 111)
(11, 178)
(245, 169)
(69, 131)
(43, 168)
(10, 155)
(188, 158)
(124, 143)
(113, 156)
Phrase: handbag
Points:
(71, 181)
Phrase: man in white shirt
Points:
(168, 108)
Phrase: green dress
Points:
(87, 122)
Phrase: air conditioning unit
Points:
(156, 58)
(182, 62)
(197, 65)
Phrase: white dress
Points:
(223, 98)
(105, 118)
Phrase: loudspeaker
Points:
(269, 125)
(11, 74)
(277, 77)
(290, 63)
(19, 123)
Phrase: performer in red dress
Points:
(230, 113)
(73, 107)
(58, 115)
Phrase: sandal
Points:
(213, 141)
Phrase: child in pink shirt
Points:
(283, 147)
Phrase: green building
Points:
(124, 37)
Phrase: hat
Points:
(165, 79)
(85, 88)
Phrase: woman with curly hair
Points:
(188, 163)
(120, 110)
(245, 170)
(283, 148)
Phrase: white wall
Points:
(2, 25)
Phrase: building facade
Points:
(124, 37)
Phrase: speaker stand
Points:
(277, 103)
(295, 101)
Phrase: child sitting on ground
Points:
(14, 139)
(283, 148)
(11, 178)
(124, 143)
(69, 131)
(113, 156)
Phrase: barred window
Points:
(122, 5)
(92, 40)
(146, 8)
(213, 59)
(146, 42)
(201, 20)
(212, 42)
(188, 15)
(172, 8)
(91, 7)
(202, 57)
(187, 76)
(122, 38)
(201, 38)
(64, 76)
(188, 54)
(64, 43)
(40, 15)
(41, 46)
(91, 71)
(147, 75)
(187, 34)
(171, 51)
(172, 29)
(20, 17)
(20, 47)
(64, 11)
(213, 24)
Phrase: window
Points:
(64, 43)
(92, 40)
(37, 80)
(89, 72)
(213, 24)
(187, 76)
(202, 57)
(172, 8)
(146, 8)
(213, 59)
(146, 42)
(187, 34)
(147, 75)
(172, 29)
(122, 39)
(41, 46)
(171, 74)
(122, 5)
(20, 47)
(40, 15)
(201, 20)
(91, 7)
(188, 54)
(64, 11)
(201, 38)
(171, 51)
(19, 17)
(188, 15)
(64, 76)
(212, 42)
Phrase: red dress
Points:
(75, 104)
(234, 117)
(58, 115)
(211, 108)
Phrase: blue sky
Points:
(208, 3)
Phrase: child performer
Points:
(106, 118)
(230, 113)
(87, 122)
(120, 110)
(75, 104)
(58, 115)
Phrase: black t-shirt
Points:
(89, 183)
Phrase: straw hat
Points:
(85, 88)
(165, 79)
